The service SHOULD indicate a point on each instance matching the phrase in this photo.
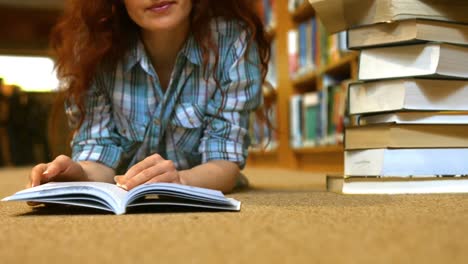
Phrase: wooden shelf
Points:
(305, 79)
(263, 158)
(320, 149)
(344, 62)
(322, 159)
(303, 12)
(269, 152)
(309, 78)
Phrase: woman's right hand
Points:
(63, 168)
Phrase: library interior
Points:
(357, 153)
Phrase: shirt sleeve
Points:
(226, 134)
(95, 140)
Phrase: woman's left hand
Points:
(152, 169)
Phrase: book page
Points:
(233, 206)
(66, 192)
(179, 191)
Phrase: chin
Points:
(162, 24)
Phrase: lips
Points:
(161, 6)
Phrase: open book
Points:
(109, 197)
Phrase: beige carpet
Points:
(283, 220)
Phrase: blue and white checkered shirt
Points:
(191, 123)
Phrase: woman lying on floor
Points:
(158, 91)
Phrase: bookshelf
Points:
(319, 159)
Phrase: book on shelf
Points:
(293, 53)
(311, 47)
(338, 116)
(398, 185)
(422, 60)
(296, 120)
(312, 119)
(303, 47)
(416, 117)
(338, 46)
(265, 9)
(293, 5)
(407, 32)
(318, 117)
(406, 162)
(407, 94)
(307, 45)
(110, 197)
(338, 15)
(391, 135)
(325, 129)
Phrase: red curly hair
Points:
(95, 35)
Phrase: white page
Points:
(176, 188)
(233, 206)
(106, 191)
(406, 187)
(426, 161)
(194, 196)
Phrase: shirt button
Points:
(157, 122)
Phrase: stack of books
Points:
(410, 133)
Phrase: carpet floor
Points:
(286, 217)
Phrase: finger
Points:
(143, 177)
(120, 180)
(37, 174)
(58, 166)
(169, 177)
(143, 165)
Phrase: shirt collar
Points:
(191, 50)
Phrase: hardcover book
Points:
(406, 162)
(407, 32)
(338, 15)
(408, 94)
(435, 60)
(390, 135)
(414, 185)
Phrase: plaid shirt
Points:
(192, 122)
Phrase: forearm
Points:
(97, 172)
(217, 174)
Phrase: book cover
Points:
(391, 135)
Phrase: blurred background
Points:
(28, 84)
